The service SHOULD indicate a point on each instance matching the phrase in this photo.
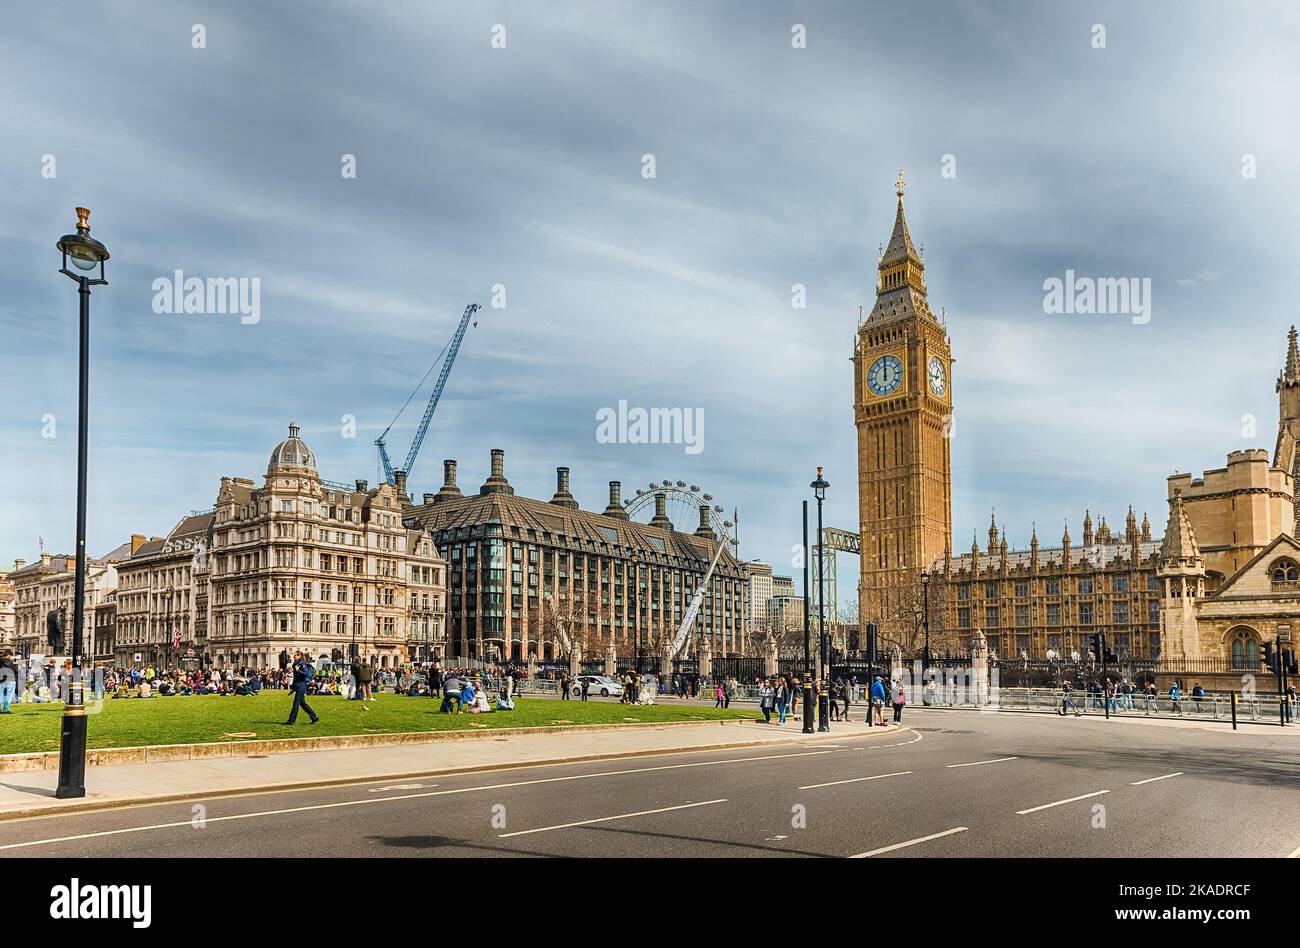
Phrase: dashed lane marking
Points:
(836, 783)
(976, 763)
(606, 819)
(910, 842)
(1138, 783)
(1048, 806)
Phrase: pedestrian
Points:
(303, 673)
(766, 694)
(566, 687)
(900, 701)
(586, 686)
(931, 694)
(845, 689)
(728, 686)
(877, 705)
(781, 699)
(796, 689)
(835, 700)
(1198, 695)
(1151, 698)
(8, 682)
(452, 690)
(1175, 695)
(719, 695)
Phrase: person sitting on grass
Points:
(146, 690)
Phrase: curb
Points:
(166, 753)
(91, 806)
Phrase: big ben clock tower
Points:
(902, 403)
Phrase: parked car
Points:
(597, 685)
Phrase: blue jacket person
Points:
(303, 673)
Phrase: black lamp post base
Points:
(72, 755)
(808, 699)
(823, 710)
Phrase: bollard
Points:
(1232, 700)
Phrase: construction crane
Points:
(450, 349)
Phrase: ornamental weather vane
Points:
(900, 183)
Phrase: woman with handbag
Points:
(900, 701)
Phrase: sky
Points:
(504, 145)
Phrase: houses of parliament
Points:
(1223, 579)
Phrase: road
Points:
(949, 784)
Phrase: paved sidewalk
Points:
(31, 793)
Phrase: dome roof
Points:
(292, 452)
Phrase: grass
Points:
(134, 722)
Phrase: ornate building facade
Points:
(302, 563)
(159, 614)
(903, 402)
(520, 566)
(48, 584)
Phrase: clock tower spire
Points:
(902, 387)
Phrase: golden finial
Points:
(83, 224)
(900, 184)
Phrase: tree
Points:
(900, 613)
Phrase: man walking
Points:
(8, 682)
(303, 673)
(451, 694)
(877, 705)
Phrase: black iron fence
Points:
(742, 669)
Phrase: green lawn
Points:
(132, 722)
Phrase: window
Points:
(1085, 613)
(1022, 616)
(1245, 650)
(1119, 611)
(963, 591)
(1054, 613)
(992, 614)
(1053, 587)
(963, 618)
(1285, 571)
(1022, 588)
(1119, 584)
(1085, 585)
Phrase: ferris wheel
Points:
(681, 504)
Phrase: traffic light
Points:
(1094, 646)
(336, 654)
(1289, 661)
(1270, 659)
(872, 631)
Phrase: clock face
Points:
(885, 375)
(938, 376)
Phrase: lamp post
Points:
(925, 595)
(808, 690)
(87, 256)
(823, 710)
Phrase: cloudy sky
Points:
(523, 166)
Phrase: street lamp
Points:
(808, 688)
(925, 593)
(86, 255)
(823, 710)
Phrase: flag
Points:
(176, 637)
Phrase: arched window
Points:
(1245, 649)
(1285, 571)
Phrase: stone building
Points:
(1027, 602)
(303, 563)
(758, 590)
(903, 404)
(48, 584)
(517, 563)
(159, 611)
(7, 597)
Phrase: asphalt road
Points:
(949, 784)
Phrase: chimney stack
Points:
(660, 519)
(704, 529)
(362, 486)
(497, 483)
(562, 496)
(428, 498)
(19, 564)
(137, 541)
(45, 559)
(615, 508)
(449, 489)
(399, 481)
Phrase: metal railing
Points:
(1212, 706)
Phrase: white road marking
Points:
(910, 842)
(606, 819)
(976, 763)
(1295, 853)
(836, 783)
(399, 786)
(1047, 806)
(408, 796)
(1138, 783)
